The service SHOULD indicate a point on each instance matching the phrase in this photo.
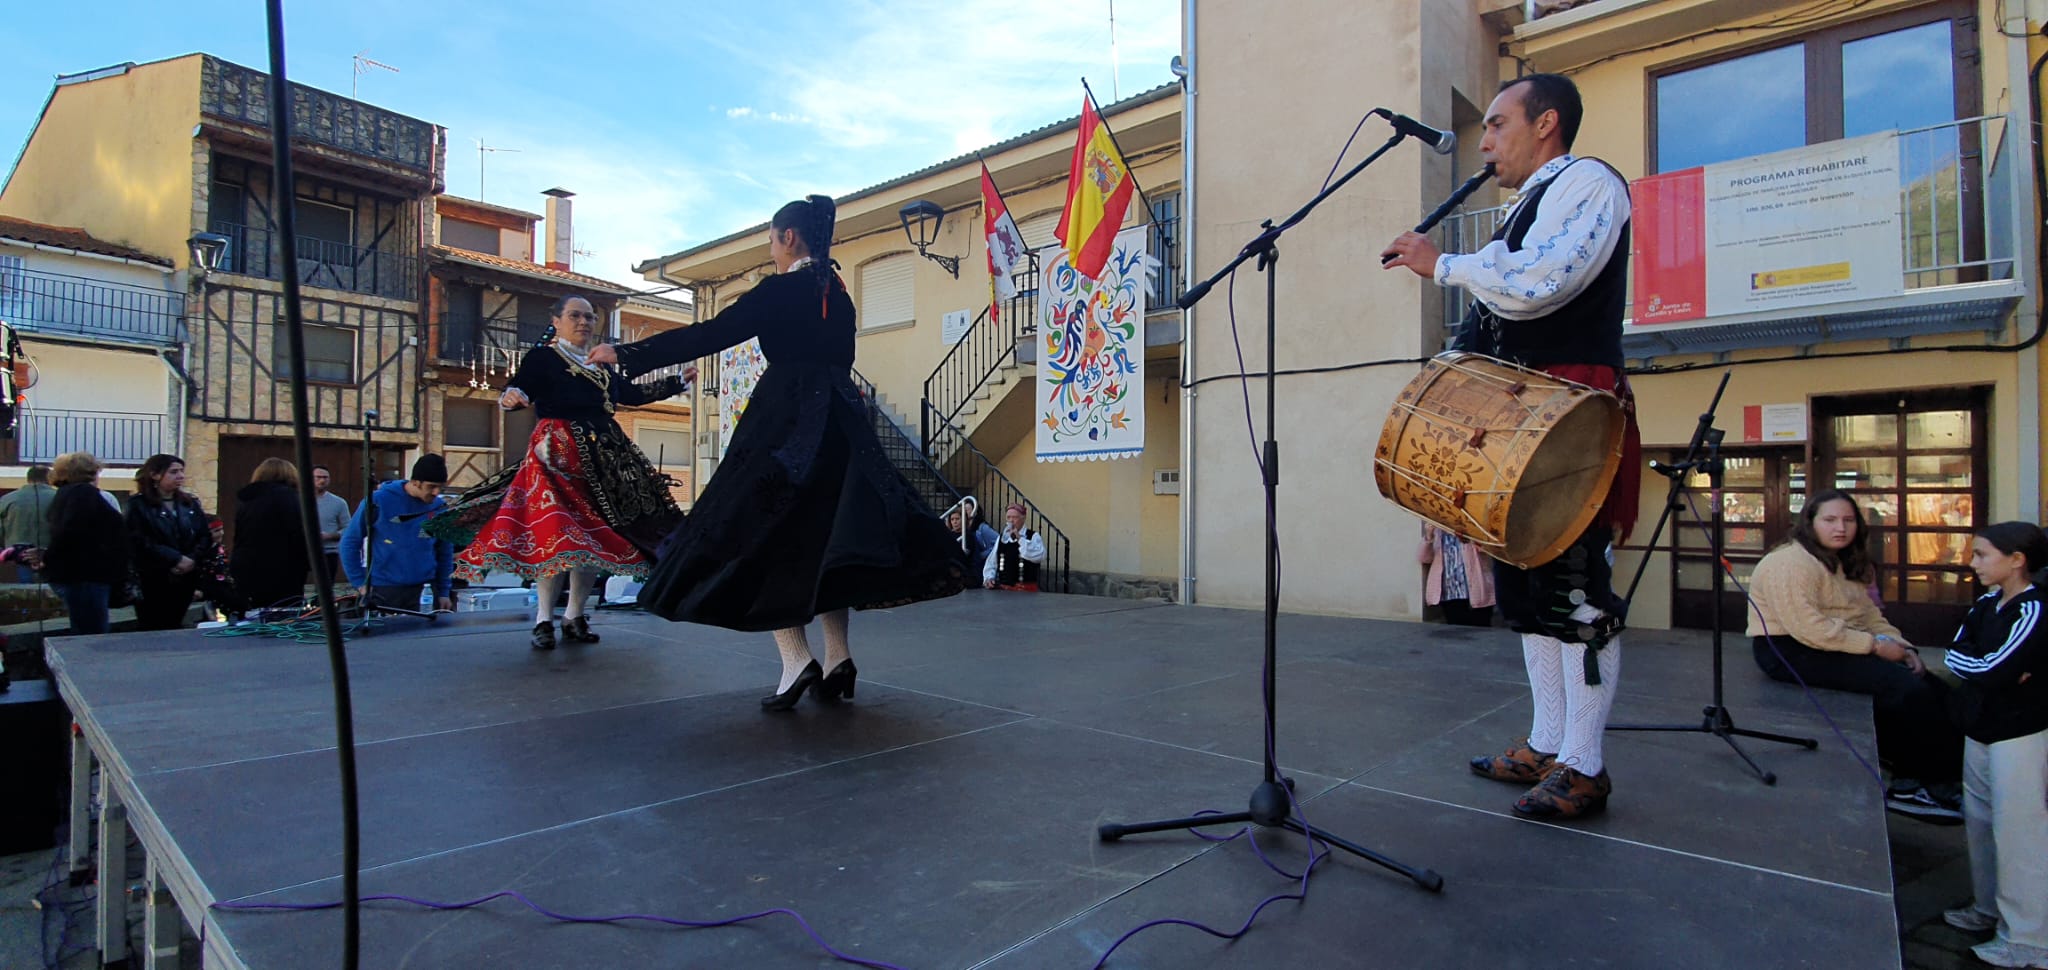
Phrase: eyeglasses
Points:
(580, 315)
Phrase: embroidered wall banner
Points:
(739, 369)
(1091, 355)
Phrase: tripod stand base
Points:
(1269, 808)
(1717, 722)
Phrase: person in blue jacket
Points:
(403, 560)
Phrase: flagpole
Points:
(1089, 93)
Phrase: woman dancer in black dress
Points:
(805, 516)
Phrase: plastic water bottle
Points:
(427, 600)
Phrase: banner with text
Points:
(1796, 228)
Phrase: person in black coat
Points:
(88, 555)
(806, 517)
(269, 562)
(173, 543)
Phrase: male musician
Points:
(1549, 294)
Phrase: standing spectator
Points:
(1019, 552)
(1459, 580)
(403, 560)
(2001, 655)
(332, 512)
(88, 553)
(269, 563)
(25, 515)
(173, 539)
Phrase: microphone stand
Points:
(1704, 454)
(1272, 802)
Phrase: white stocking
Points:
(1544, 656)
(796, 654)
(1587, 706)
(546, 588)
(836, 649)
(579, 591)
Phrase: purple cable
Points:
(566, 918)
(1692, 503)
(1317, 852)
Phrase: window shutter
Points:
(887, 293)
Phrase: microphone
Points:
(1440, 141)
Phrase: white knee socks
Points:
(547, 588)
(796, 654)
(1571, 715)
(836, 650)
(579, 591)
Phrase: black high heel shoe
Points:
(838, 683)
(811, 675)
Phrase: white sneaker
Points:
(1971, 919)
(2005, 953)
(1923, 806)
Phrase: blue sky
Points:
(674, 123)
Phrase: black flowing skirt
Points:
(804, 516)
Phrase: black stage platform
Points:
(947, 817)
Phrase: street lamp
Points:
(208, 250)
(921, 221)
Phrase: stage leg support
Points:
(113, 887)
(79, 853)
(163, 924)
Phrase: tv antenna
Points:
(364, 65)
(482, 151)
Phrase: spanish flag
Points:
(1099, 188)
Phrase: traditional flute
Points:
(1464, 191)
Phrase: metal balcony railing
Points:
(113, 437)
(32, 301)
(1957, 187)
(373, 272)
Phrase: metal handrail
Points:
(56, 303)
(966, 464)
(255, 252)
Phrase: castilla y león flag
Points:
(1005, 243)
(1099, 188)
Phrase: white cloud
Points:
(740, 112)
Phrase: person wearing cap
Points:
(402, 559)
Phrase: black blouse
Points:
(795, 321)
(559, 388)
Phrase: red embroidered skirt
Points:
(548, 520)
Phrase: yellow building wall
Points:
(898, 360)
(114, 156)
(1113, 521)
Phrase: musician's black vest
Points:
(1011, 566)
(1586, 330)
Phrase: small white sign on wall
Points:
(954, 326)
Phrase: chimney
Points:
(561, 234)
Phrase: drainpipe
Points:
(2026, 268)
(1187, 329)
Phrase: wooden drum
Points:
(1511, 459)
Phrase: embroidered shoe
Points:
(1520, 764)
(1970, 919)
(577, 630)
(1565, 793)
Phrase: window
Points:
(664, 447)
(330, 354)
(1163, 242)
(1764, 489)
(535, 317)
(471, 423)
(17, 304)
(887, 294)
(1903, 71)
(462, 313)
(1038, 231)
(326, 222)
(472, 236)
